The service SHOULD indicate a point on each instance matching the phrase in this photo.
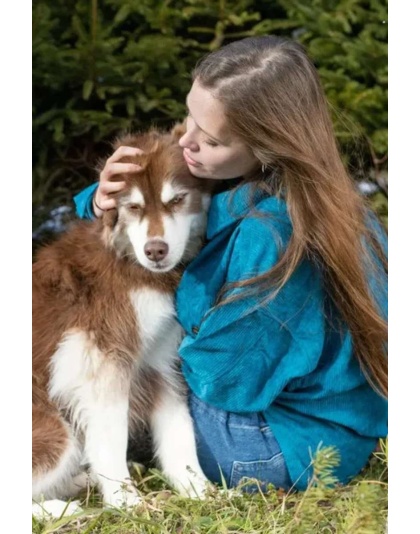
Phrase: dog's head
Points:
(161, 214)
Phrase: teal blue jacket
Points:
(289, 357)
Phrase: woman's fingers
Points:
(107, 204)
(104, 197)
(124, 151)
(111, 187)
(103, 202)
(111, 169)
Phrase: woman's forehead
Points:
(208, 114)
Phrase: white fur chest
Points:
(160, 333)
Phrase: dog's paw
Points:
(196, 490)
(55, 509)
(123, 498)
(193, 486)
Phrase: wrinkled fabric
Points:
(288, 358)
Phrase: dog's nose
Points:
(156, 250)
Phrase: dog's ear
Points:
(109, 221)
(147, 142)
(126, 139)
(110, 218)
(178, 130)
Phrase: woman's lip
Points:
(190, 161)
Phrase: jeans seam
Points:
(275, 458)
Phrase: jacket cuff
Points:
(83, 202)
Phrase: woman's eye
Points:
(211, 143)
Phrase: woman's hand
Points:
(104, 198)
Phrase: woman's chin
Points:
(199, 172)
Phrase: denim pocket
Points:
(271, 471)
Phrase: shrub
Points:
(124, 64)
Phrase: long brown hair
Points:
(274, 102)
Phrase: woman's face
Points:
(210, 150)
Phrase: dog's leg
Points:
(56, 454)
(173, 436)
(94, 389)
(106, 450)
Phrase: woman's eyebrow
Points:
(212, 136)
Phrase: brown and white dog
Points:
(105, 336)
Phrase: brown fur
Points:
(50, 437)
(82, 282)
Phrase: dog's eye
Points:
(135, 208)
(178, 199)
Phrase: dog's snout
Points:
(156, 250)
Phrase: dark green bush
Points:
(348, 41)
(103, 67)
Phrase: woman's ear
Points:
(178, 130)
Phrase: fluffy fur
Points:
(105, 335)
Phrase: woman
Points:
(285, 307)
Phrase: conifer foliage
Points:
(102, 66)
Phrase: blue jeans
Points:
(236, 446)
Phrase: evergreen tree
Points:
(103, 67)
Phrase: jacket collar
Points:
(229, 207)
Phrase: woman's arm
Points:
(245, 354)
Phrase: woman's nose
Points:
(186, 141)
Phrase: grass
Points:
(359, 508)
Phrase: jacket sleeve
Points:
(83, 202)
(245, 353)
